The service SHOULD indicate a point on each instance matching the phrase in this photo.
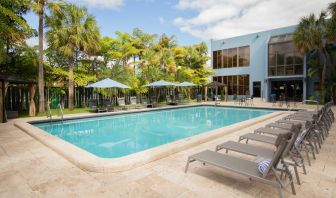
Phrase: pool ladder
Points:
(49, 112)
(59, 112)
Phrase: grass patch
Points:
(54, 112)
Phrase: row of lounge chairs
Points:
(286, 141)
(121, 102)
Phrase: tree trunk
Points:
(40, 63)
(71, 84)
(32, 108)
(3, 116)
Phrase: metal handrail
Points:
(313, 101)
(60, 111)
(49, 112)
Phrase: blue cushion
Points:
(263, 166)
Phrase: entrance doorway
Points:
(256, 89)
(291, 90)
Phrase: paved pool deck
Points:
(30, 169)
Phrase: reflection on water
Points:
(119, 135)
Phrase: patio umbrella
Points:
(160, 83)
(108, 83)
(186, 84)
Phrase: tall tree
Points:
(38, 7)
(331, 36)
(72, 30)
(14, 30)
(309, 36)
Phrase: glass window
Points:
(219, 59)
(289, 59)
(235, 57)
(272, 71)
(220, 79)
(225, 80)
(234, 85)
(214, 58)
(272, 60)
(298, 69)
(289, 70)
(280, 71)
(225, 58)
(244, 56)
(230, 57)
(283, 58)
(280, 58)
(230, 86)
(247, 84)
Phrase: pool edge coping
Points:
(89, 162)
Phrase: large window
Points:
(244, 56)
(283, 58)
(239, 84)
(233, 57)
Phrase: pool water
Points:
(119, 135)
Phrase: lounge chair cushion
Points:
(300, 138)
(263, 166)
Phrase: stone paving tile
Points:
(30, 169)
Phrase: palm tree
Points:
(72, 30)
(331, 35)
(309, 36)
(39, 7)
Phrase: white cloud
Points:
(226, 18)
(101, 3)
(161, 20)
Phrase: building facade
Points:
(265, 64)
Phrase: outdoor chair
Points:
(241, 100)
(267, 153)
(258, 170)
(93, 105)
(133, 101)
(249, 100)
(121, 103)
(170, 100)
(144, 101)
(107, 105)
(153, 102)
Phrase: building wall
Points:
(258, 43)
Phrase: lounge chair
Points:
(267, 152)
(133, 101)
(107, 105)
(93, 105)
(144, 101)
(170, 101)
(153, 102)
(283, 126)
(121, 103)
(246, 167)
(270, 131)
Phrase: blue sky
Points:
(150, 16)
(193, 21)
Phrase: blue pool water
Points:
(124, 134)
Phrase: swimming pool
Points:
(120, 135)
